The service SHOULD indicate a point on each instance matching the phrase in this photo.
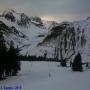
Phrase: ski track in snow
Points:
(47, 76)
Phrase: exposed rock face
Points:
(67, 38)
(70, 38)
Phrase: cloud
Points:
(67, 9)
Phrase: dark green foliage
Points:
(3, 52)
(77, 63)
(13, 59)
(9, 59)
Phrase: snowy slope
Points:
(32, 31)
(71, 37)
(47, 76)
(31, 27)
(84, 27)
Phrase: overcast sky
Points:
(61, 10)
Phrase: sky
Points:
(57, 10)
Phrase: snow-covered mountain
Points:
(24, 31)
(69, 38)
(50, 24)
(35, 36)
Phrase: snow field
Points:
(47, 76)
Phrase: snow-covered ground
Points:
(47, 76)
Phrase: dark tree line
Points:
(9, 59)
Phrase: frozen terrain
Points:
(35, 36)
(47, 76)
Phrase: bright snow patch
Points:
(47, 76)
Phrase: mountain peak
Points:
(9, 15)
(9, 11)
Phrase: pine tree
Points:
(13, 56)
(77, 63)
(9, 59)
(3, 53)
